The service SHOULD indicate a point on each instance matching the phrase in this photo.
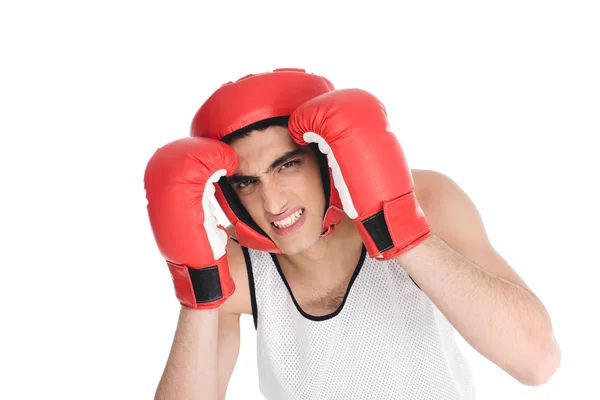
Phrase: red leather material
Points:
(185, 292)
(254, 98)
(248, 237)
(407, 224)
(354, 124)
(174, 180)
(251, 99)
(183, 285)
(333, 216)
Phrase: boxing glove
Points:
(368, 166)
(179, 183)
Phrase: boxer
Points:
(357, 270)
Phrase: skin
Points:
(271, 190)
(481, 295)
(317, 270)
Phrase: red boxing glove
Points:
(369, 168)
(179, 182)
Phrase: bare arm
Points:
(477, 290)
(501, 320)
(229, 348)
(207, 343)
(191, 370)
(229, 316)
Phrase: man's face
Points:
(279, 183)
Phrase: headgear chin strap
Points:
(251, 99)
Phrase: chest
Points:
(320, 298)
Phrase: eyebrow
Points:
(235, 178)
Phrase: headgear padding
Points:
(251, 99)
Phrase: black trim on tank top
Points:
(418, 287)
(413, 281)
(251, 285)
(361, 261)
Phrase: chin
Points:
(298, 243)
(294, 249)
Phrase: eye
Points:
(245, 184)
(289, 164)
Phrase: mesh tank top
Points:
(387, 340)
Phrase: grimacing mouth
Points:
(290, 220)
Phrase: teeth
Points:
(289, 221)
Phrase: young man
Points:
(360, 303)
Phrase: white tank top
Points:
(387, 340)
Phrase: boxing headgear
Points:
(256, 98)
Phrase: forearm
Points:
(191, 370)
(502, 321)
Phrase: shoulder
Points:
(455, 219)
(239, 302)
(445, 203)
(429, 183)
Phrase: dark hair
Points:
(257, 126)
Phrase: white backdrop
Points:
(501, 96)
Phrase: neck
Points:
(338, 252)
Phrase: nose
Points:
(274, 198)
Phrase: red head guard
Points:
(251, 99)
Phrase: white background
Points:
(504, 97)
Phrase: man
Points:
(357, 270)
